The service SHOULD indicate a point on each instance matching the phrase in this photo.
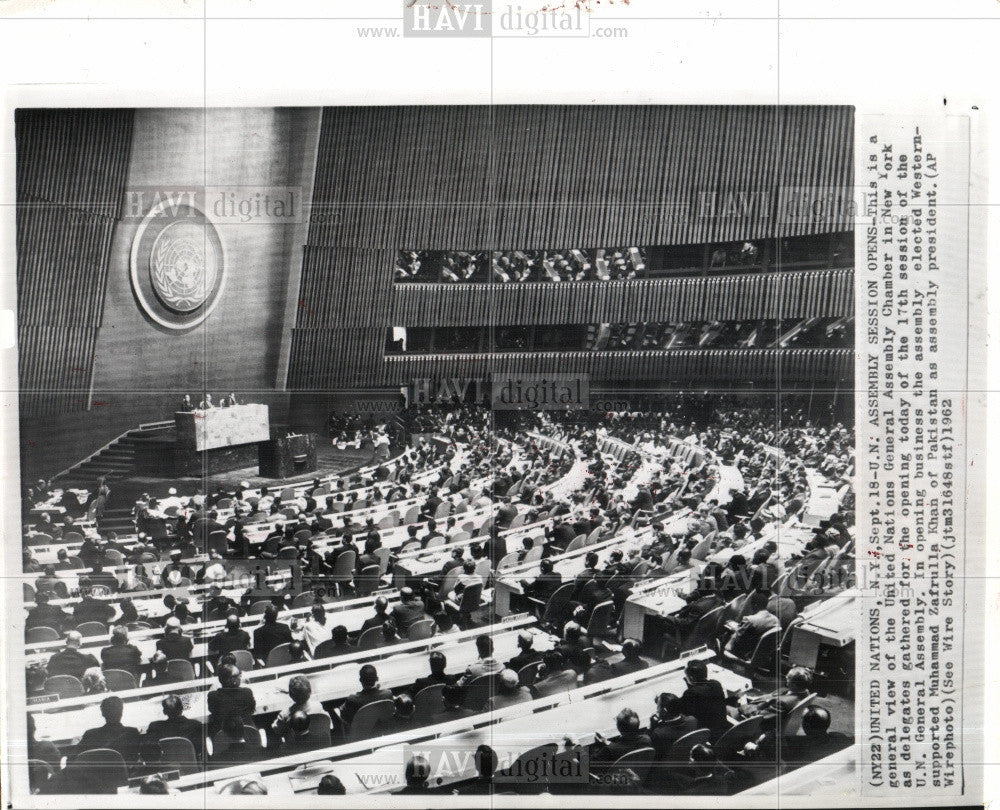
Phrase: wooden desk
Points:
(568, 565)
(366, 767)
(331, 678)
(832, 622)
(659, 597)
(351, 613)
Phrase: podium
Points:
(220, 439)
(286, 456)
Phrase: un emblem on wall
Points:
(177, 265)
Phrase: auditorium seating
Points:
(652, 491)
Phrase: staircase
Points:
(115, 460)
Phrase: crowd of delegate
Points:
(576, 514)
(520, 266)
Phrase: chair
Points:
(319, 729)
(76, 562)
(383, 555)
(736, 609)
(638, 761)
(367, 581)
(39, 773)
(792, 722)
(224, 503)
(220, 741)
(279, 656)
(244, 660)
(114, 556)
(368, 718)
(258, 608)
(411, 515)
(594, 536)
(443, 510)
(181, 668)
(421, 630)
(304, 599)
(703, 631)
(484, 568)
(460, 537)
(556, 607)
(533, 555)
(218, 542)
(371, 639)
(468, 603)
(702, 550)
(601, 624)
(576, 543)
(528, 674)
(179, 755)
(302, 535)
(390, 521)
(101, 770)
(447, 584)
(530, 769)
(119, 680)
(426, 703)
(764, 659)
(343, 569)
(479, 691)
(288, 553)
(734, 738)
(66, 686)
(786, 637)
(92, 629)
(435, 542)
(507, 561)
(134, 626)
(38, 635)
(681, 749)
(72, 537)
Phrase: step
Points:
(100, 467)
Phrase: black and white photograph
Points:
(495, 404)
(436, 451)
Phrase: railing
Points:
(96, 453)
(734, 296)
(731, 367)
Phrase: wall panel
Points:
(527, 177)
(71, 172)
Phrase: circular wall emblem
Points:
(177, 265)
